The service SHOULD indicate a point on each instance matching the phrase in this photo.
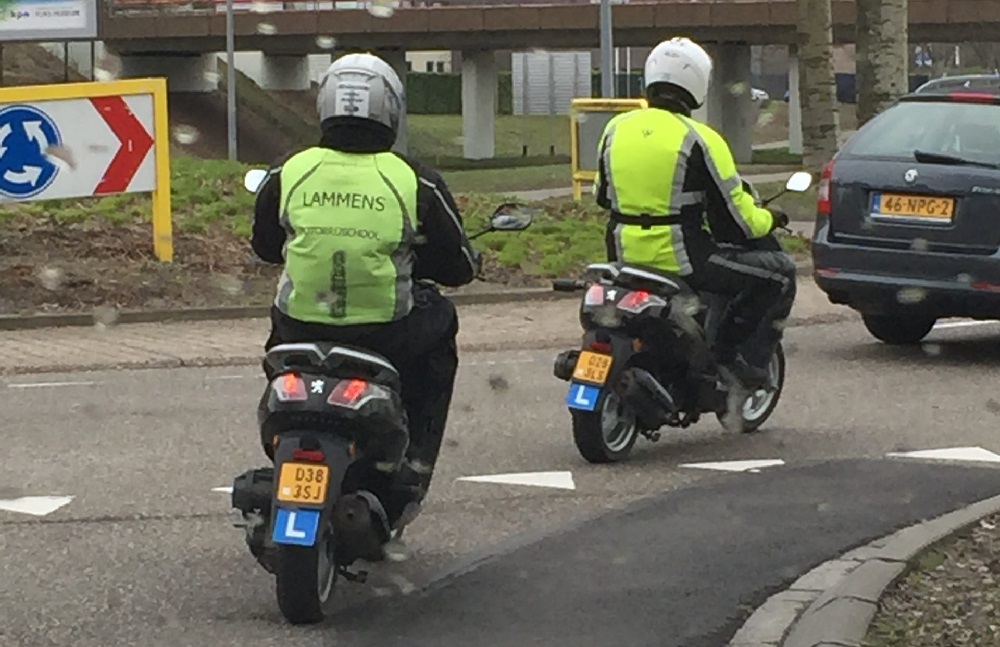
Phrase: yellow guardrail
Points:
(588, 118)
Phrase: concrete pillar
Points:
(284, 72)
(794, 103)
(195, 73)
(730, 106)
(479, 98)
(397, 59)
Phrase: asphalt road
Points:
(144, 554)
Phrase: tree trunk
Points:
(818, 87)
(882, 55)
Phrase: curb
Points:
(250, 360)
(834, 603)
(36, 321)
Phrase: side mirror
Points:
(511, 217)
(253, 179)
(799, 182)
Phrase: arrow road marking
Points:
(38, 506)
(970, 454)
(29, 174)
(736, 466)
(135, 144)
(559, 480)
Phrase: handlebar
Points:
(568, 285)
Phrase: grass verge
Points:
(76, 255)
(949, 597)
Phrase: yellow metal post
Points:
(163, 228)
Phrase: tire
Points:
(898, 330)
(588, 431)
(301, 598)
(754, 419)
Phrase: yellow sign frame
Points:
(163, 235)
(581, 106)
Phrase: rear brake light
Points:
(600, 346)
(824, 190)
(978, 97)
(354, 393)
(638, 300)
(594, 296)
(289, 388)
(309, 455)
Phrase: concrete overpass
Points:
(178, 39)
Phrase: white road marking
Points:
(736, 466)
(970, 454)
(232, 377)
(496, 362)
(962, 324)
(559, 480)
(38, 506)
(228, 489)
(35, 385)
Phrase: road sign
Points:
(26, 133)
(48, 20)
(78, 140)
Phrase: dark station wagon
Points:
(908, 214)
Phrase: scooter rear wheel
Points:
(607, 434)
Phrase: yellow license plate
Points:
(592, 367)
(894, 205)
(303, 483)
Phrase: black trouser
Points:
(422, 346)
(762, 285)
(760, 278)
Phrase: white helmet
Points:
(680, 62)
(361, 86)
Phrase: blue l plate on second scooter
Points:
(582, 396)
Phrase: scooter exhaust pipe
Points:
(653, 404)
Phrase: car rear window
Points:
(967, 130)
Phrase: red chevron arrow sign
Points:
(136, 142)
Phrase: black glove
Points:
(779, 217)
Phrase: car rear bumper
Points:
(874, 280)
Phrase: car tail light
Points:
(976, 97)
(290, 388)
(594, 296)
(825, 190)
(985, 286)
(354, 393)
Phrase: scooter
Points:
(646, 359)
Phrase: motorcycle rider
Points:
(376, 222)
(671, 185)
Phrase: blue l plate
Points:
(295, 527)
(582, 396)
